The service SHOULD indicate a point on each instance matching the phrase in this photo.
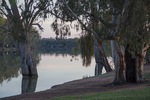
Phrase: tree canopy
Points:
(126, 22)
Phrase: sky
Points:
(48, 32)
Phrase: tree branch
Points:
(39, 26)
(146, 47)
(110, 25)
(4, 4)
(83, 25)
(57, 16)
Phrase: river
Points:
(53, 69)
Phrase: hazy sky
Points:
(48, 32)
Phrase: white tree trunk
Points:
(119, 62)
(140, 66)
(98, 69)
(28, 66)
(100, 57)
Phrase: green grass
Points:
(136, 94)
(147, 75)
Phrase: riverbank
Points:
(83, 86)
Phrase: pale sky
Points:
(48, 32)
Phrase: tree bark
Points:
(119, 62)
(147, 58)
(98, 69)
(140, 67)
(135, 66)
(100, 57)
(28, 65)
(130, 67)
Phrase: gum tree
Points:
(125, 22)
(82, 11)
(21, 17)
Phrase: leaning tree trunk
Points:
(28, 66)
(119, 62)
(99, 66)
(100, 57)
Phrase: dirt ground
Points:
(82, 86)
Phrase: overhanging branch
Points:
(83, 25)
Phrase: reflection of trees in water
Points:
(9, 66)
(59, 47)
(74, 52)
(57, 51)
(74, 55)
(28, 84)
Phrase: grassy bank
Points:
(134, 94)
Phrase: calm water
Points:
(52, 70)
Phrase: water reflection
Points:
(69, 68)
(28, 84)
(9, 66)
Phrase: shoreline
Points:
(89, 85)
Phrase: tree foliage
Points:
(87, 50)
(22, 16)
(126, 22)
(135, 27)
(132, 21)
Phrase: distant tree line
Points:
(51, 45)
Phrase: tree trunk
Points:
(100, 57)
(119, 62)
(98, 69)
(28, 66)
(140, 67)
(130, 67)
(135, 66)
